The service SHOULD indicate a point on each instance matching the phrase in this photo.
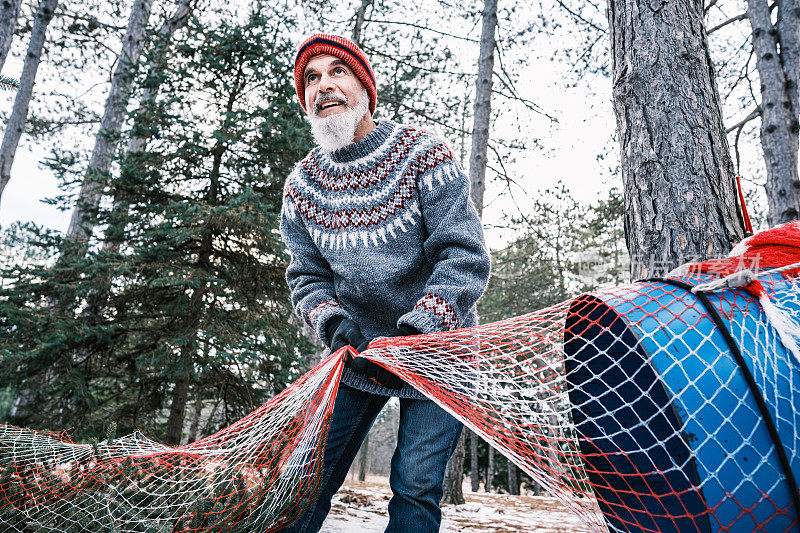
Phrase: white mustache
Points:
(327, 97)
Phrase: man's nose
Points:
(326, 84)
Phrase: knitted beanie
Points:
(344, 49)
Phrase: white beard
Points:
(339, 130)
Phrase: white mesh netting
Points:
(627, 404)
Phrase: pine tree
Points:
(680, 191)
(198, 303)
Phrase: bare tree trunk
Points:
(513, 479)
(119, 213)
(490, 470)
(180, 395)
(776, 51)
(83, 217)
(680, 196)
(474, 475)
(363, 460)
(361, 14)
(198, 412)
(9, 12)
(19, 113)
(483, 106)
(454, 475)
(477, 173)
(208, 428)
(16, 122)
(789, 38)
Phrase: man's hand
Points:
(368, 369)
(362, 366)
(407, 331)
(344, 332)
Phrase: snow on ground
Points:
(360, 507)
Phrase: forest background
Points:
(142, 276)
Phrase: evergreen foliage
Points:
(185, 293)
(563, 248)
(8, 84)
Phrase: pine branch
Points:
(8, 84)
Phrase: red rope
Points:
(748, 226)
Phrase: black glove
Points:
(344, 332)
(407, 331)
(376, 372)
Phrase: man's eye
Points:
(311, 77)
(339, 70)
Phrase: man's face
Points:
(331, 87)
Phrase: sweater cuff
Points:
(431, 314)
(321, 313)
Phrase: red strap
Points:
(748, 226)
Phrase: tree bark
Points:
(119, 213)
(454, 475)
(358, 25)
(477, 172)
(776, 51)
(9, 12)
(680, 196)
(474, 475)
(363, 460)
(83, 217)
(789, 37)
(198, 412)
(19, 113)
(483, 106)
(513, 479)
(490, 470)
(180, 395)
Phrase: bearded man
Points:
(384, 241)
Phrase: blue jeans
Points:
(426, 438)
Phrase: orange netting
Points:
(644, 407)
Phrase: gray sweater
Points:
(383, 232)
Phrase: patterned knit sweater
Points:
(383, 232)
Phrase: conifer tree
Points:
(198, 302)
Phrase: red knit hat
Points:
(344, 49)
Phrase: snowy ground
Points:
(361, 508)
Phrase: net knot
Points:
(737, 280)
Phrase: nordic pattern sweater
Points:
(384, 232)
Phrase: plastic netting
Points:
(628, 404)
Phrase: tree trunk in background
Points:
(180, 395)
(477, 172)
(680, 195)
(776, 51)
(9, 12)
(19, 113)
(483, 106)
(454, 475)
(83, 217)
(363, 460)
(789, 36)
(358, 25)
(474, 475)
(198, 413)
(115, 233)
(23, 403)
(513, 479)
(490, 470)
